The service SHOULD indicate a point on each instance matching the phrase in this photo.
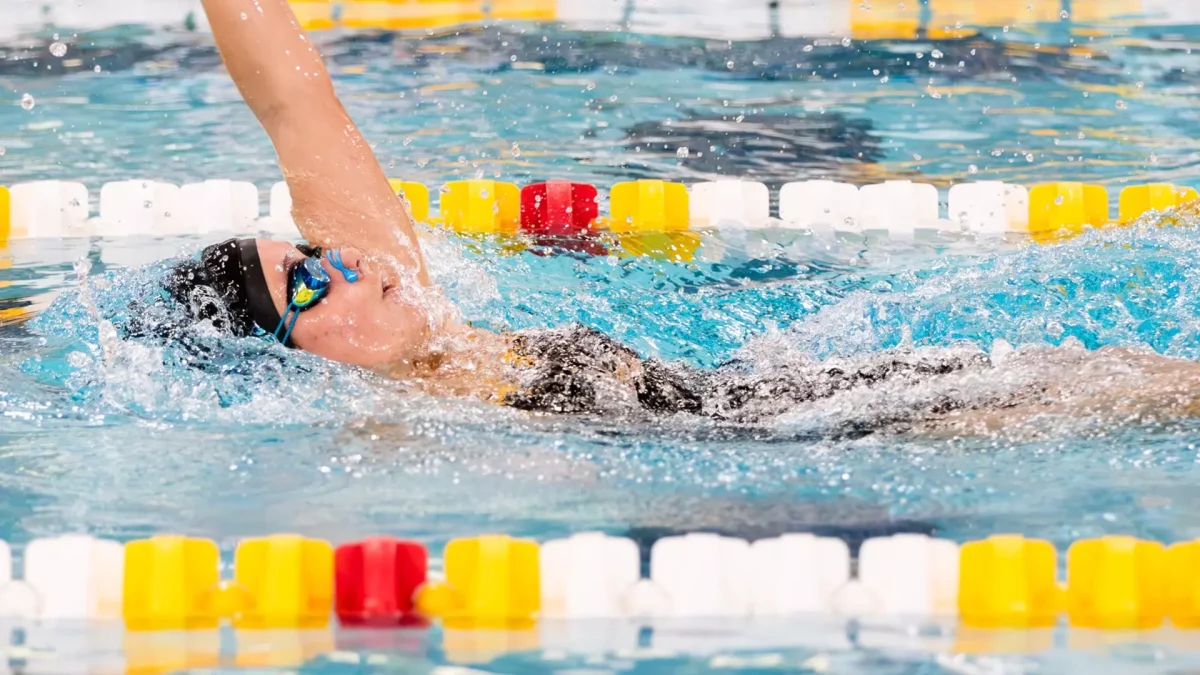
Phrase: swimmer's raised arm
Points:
(340, 195)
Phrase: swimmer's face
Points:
(371, 322)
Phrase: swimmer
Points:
(358, 292)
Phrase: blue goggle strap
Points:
(293, 312)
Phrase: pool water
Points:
(108, 436)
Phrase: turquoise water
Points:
(110, 437)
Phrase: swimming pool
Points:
(123, 447)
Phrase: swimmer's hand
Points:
(340, 195)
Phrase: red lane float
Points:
(376, 579)
(559, 208)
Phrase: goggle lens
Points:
(309, 283)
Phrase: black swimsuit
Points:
(580, 370)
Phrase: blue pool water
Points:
(106, 436)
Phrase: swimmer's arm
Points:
(340, 195)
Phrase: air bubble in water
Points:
(58, 49)
(682, 153)
(1121, 105)
(27, 101)
(972, 169)
(96, 69)
(516, 150)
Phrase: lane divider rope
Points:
(504, 583)
(900, 209)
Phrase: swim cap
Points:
(226, 285)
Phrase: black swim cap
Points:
(226, 286)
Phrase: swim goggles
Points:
(308, 283)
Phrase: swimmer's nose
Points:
(348, 261)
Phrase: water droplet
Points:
(1058, 200)
(516, 150)
(27, 101)
(916, 156)
(972, 169)
(1029, 157)
(936, 54)
(1121, 105)
(846, 42)
(2, 151)
(96, 69)
(483, 193)
(58, 49)
(1064, 14)
(682, 153)
(729, 65)
(244, 17)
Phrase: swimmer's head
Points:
(246, 287)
